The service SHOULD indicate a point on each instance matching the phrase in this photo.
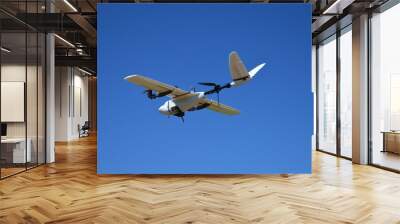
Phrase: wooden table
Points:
(391, 141)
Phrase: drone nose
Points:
(163, 110)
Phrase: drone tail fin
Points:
(238, 70)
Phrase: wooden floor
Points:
(386, 159)
(69, 191)
(5, 172)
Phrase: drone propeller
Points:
(217, 88)
(169, 111)
(208, 83)
(151, 95)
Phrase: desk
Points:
(391, 141)
(13, 150)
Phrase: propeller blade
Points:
(168, 108)
(149, 94)
(208, 83)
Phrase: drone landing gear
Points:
(179, 113)
(181, 116)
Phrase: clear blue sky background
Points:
(189, 43)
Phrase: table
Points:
(391, 141)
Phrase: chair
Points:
(84, 130)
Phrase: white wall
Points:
(80, 110)
(12, 73)
(33, 126)
(62, 82)
(16, 72)
(71, 102)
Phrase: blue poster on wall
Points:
(204, 88)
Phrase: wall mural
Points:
(189, 62)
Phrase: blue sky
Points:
(182, 44)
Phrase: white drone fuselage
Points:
(170, 107)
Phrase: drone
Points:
(187, 101)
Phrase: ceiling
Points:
(75, 21)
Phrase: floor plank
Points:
(70, 191)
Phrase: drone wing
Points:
(221, 108)
(157, 86)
